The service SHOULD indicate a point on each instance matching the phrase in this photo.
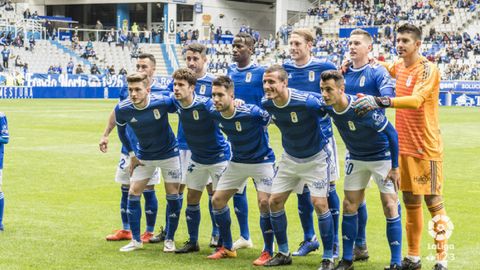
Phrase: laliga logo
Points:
(440, 227)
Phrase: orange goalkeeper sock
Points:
(414, 228)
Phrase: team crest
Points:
(248, 77)
(362, 81)
(409, 81)
(156, 114)
(311, 76)
(203, 89)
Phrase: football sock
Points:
(349, 232)
(2, 205)
(334, 205)
(325, 225)
(361, 240)
(167, 210)
(279, 225)
(222, 217)
(134, 212)
(174, 203)
(441, 239)
(305, 211)
(267, 232)
(151, 209)
(192, 214)
(414, 228)
(215, 231)
(123, 208)
(240, 204)
(394, 236)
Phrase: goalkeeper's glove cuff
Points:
(383, 102)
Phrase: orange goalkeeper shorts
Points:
(420, 176)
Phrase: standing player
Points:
(145, 64)
(4, 136)
(196, 58)
(360, 77)
(304, 161)
(147, 115)
(304, 74)
(246, 128)
(420, 142)
(247, 79)
(209, 150)
(372, 151)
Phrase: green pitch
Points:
(61, 199)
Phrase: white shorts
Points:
(198, 175)
(333, 164)
(236, 176)
(170, 169)
(294, 174)
(185, 157)
(358, 174)
(122, 175)
(1, 176)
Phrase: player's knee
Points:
(263, 204)
(218, 202)
(349, 207)
(410, 198)
(320, 205)
(390, 208)
(432, 200)
(275, 203)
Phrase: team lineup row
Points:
(301, 98)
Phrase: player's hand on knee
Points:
(134, 163)
(394, 176)
(103, 144)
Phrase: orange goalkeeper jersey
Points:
(417, 98)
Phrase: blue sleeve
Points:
(122, 130)
(4, 135)
(171, 108)
(385, 84)
(393, 143)
(263, 115)
(316, 105)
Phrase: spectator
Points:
(31, 43)
(5, 56)
(122, 71)
(111, 70)
(79, 69)
(146, 34)
(111, 36)
(70, 67)
(9, 6)
(135, 28)
(35, 15)
(51, 70)
(25, 68)
(27, 14)
(99, 25)
(49, 27)
(18, 61)
(94, 70)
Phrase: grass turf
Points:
(61, 199)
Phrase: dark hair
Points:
(246, 38)
(185, 74)
(332, 75)
(282, 73)
(224, 81)
(138, 77)
(197, 47)
(411, 29)
(149, 56)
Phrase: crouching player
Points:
(147, 115)
(246, 128)
(372, 151)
